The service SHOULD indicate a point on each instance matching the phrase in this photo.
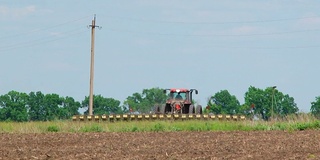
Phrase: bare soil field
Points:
(163, 145)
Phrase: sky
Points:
(209, 45)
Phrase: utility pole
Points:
(92, 26)
(273, 88)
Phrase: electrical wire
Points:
(267, 48)
(69, 33)
(212, 35)
(42, 29)
(40, 41)
(213, 23)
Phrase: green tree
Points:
(52, 103)
(13, 106)
(69, 108)
(255, 97)
(44, 107)
(102, 105)
(36, 106)
(315, 107)
(270, 102)
(224, 103)
(145, 101)
(246, 110)
(285, 105)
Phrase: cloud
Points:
(16, 12)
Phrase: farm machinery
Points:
(179, 102)
(178, 106)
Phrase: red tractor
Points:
(179, 102)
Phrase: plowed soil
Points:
(163, 145)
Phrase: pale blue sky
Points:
(209, 45)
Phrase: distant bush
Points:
(92, 128)
(134, 129)
(53, 129)
(307, 125)
(158, 127)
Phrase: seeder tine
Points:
(154, 116)
(235, 117)
(133, 117)
(139, 117)
(125, 117)
(111, 117)
(118, 117)
(104, 117)
(97, 118)
(81, 118)
(198, 116)
(74, 118)
(161, 116)
(176, 116)
(190, 116)
(89, 118)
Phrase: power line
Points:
(268, 48)
(213, 35)
(42, 29)
(38, 42)
(213, 23)
(230, 35)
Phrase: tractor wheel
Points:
(191, 109)
(199, 109)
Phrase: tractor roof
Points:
(179, 90)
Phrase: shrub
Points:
(92, 128)
(134, 129)
(53, 129)
(158, 127)
(279, 126)
(260, 127)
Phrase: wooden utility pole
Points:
(273, 88)
(93, 26)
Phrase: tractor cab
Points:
(181, 95)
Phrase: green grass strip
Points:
(154, 126)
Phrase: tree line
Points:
(37, 106)
(263, 103)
